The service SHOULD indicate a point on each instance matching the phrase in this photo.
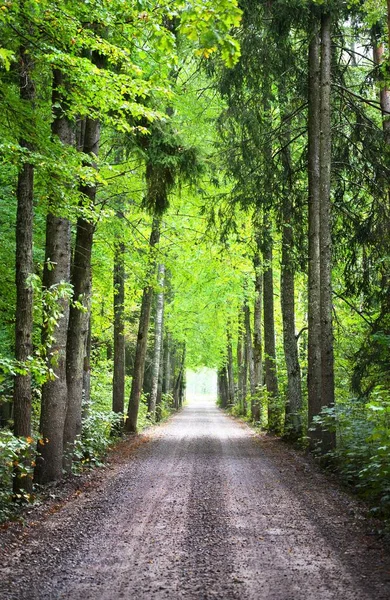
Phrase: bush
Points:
(14, 452)
(98, 434)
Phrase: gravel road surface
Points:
(203, 509)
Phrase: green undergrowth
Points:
(102, 429)
(361, 460)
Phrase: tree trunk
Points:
(251, 368)
(314, 278)
(327, 359)
(166, 386)
(240, 369)
(142, 338)
(257, 338)
(223, 387)
(158, 339)
(118, 388)
(160, 377)
(58, 253)
(178, 386)
(24, 268)
(79, 318)
(87, 371)
(230, 368)
(293, 421)
(271, 379)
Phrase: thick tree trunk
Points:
(142, 339)
(79, 318)
(314, 276)
(271, 379)
(327, 359)
(58, 252)
(24, 268)
(118, 388)
(223, 387)
(158, 339)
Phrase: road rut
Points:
(205, 509)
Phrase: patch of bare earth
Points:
(203, 508)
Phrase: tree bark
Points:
(257, 337)
(79, 318)
(271, 379)
(58, 254)
(230, 367)
(251, 368)
(314, 276)
(327, 359)
(166, 386)
(118, 388)
(293, 420)
(142, 338)
(158, 339)
(24, 268)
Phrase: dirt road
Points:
(203, 510)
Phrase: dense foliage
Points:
(158, 163)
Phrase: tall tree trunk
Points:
(159, 398)
(327, 359)
(240, 368)
(158, 339)
(251, 367)
(271, 379)
(314, 276)
(24, 268)
(118, 388)
(230, 367)
(142, 338)
(293, 421)
(58, 253)
(79, 318)
(166, 385)
(257, 337)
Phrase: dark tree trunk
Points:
(58, 252)
(242, 363)
(327, 359)
(230, 367)
(118, 388)
(142, 338)
(314, 276)
(79, 319)
(223, 387)
(293, 421)
(87, 371)
(158, 340)
(271, 379)
(178, 386)
(166, 386)
(24, 268)
(257, 337)
(251, 368)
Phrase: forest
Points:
(188, 184)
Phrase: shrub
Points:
(14, 452)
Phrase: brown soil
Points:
(202, 508)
